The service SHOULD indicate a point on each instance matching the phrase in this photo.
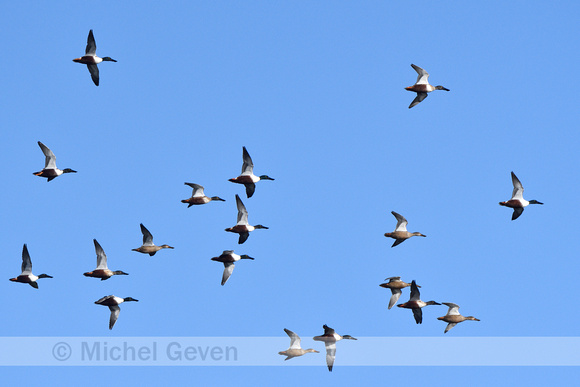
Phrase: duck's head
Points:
(166, 247)
(119, 272)
(419, 234)
(441, 88)
(44, 276)
(260, 226)
(129, 299)
(217, 198)
(311, 350)
(108, 59)
(265, 177)
(68, 170)
(472, 318)
(535, 202)
(348, 337)
(432, 303)
(246, 257)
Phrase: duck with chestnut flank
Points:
(50, 170)
(113, 303)
(102, 271)
(243, 227)
(422, 86)
(247, 178)
(26, 277)
(330, 337)
(416, 304)
(91, 59)
(517, 202)
(228, 258)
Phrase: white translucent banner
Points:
(263, 351)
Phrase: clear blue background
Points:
(314, 90)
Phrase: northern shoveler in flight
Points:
(295, 348)
(422, 86)
(113, 303)
(517, 202)
(416, 304)
(228, 258)
(396, 285)
(453, 317)
(198, 197)
(102, 271)
(330, 337)
(401, 234)
(243, 227)
(148, 246)
(26, 277)
(50, 170)
(91, 59)
(247, 178)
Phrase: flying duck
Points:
(416, 304)
(26, 277)
(395, 284)
(102, 271)
(113, 303)
(242, 227)
(330, 338)
(453, 317)
(91, 59)
(295, 348)
(228, 258)
(148, 246)
(198, 197)
(517, 202)
(247, 178)
(401, 234)
(50, 170)
(422, 86)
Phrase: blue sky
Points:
(315, 93)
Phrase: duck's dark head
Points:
(130, 299)
(265, 177)
(68, 170)
(348, 337)
(535, 202)
(246, 257)
(441, 88)
(108, 59)
(260, 226)
(44, 276)
(119, 272)
(217, 198)
(432, 303)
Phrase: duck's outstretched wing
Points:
(115, 310)
(91, 45)
(94, 70)
(418, 99)
(228, 270)
(50, 158)
(422, 78)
